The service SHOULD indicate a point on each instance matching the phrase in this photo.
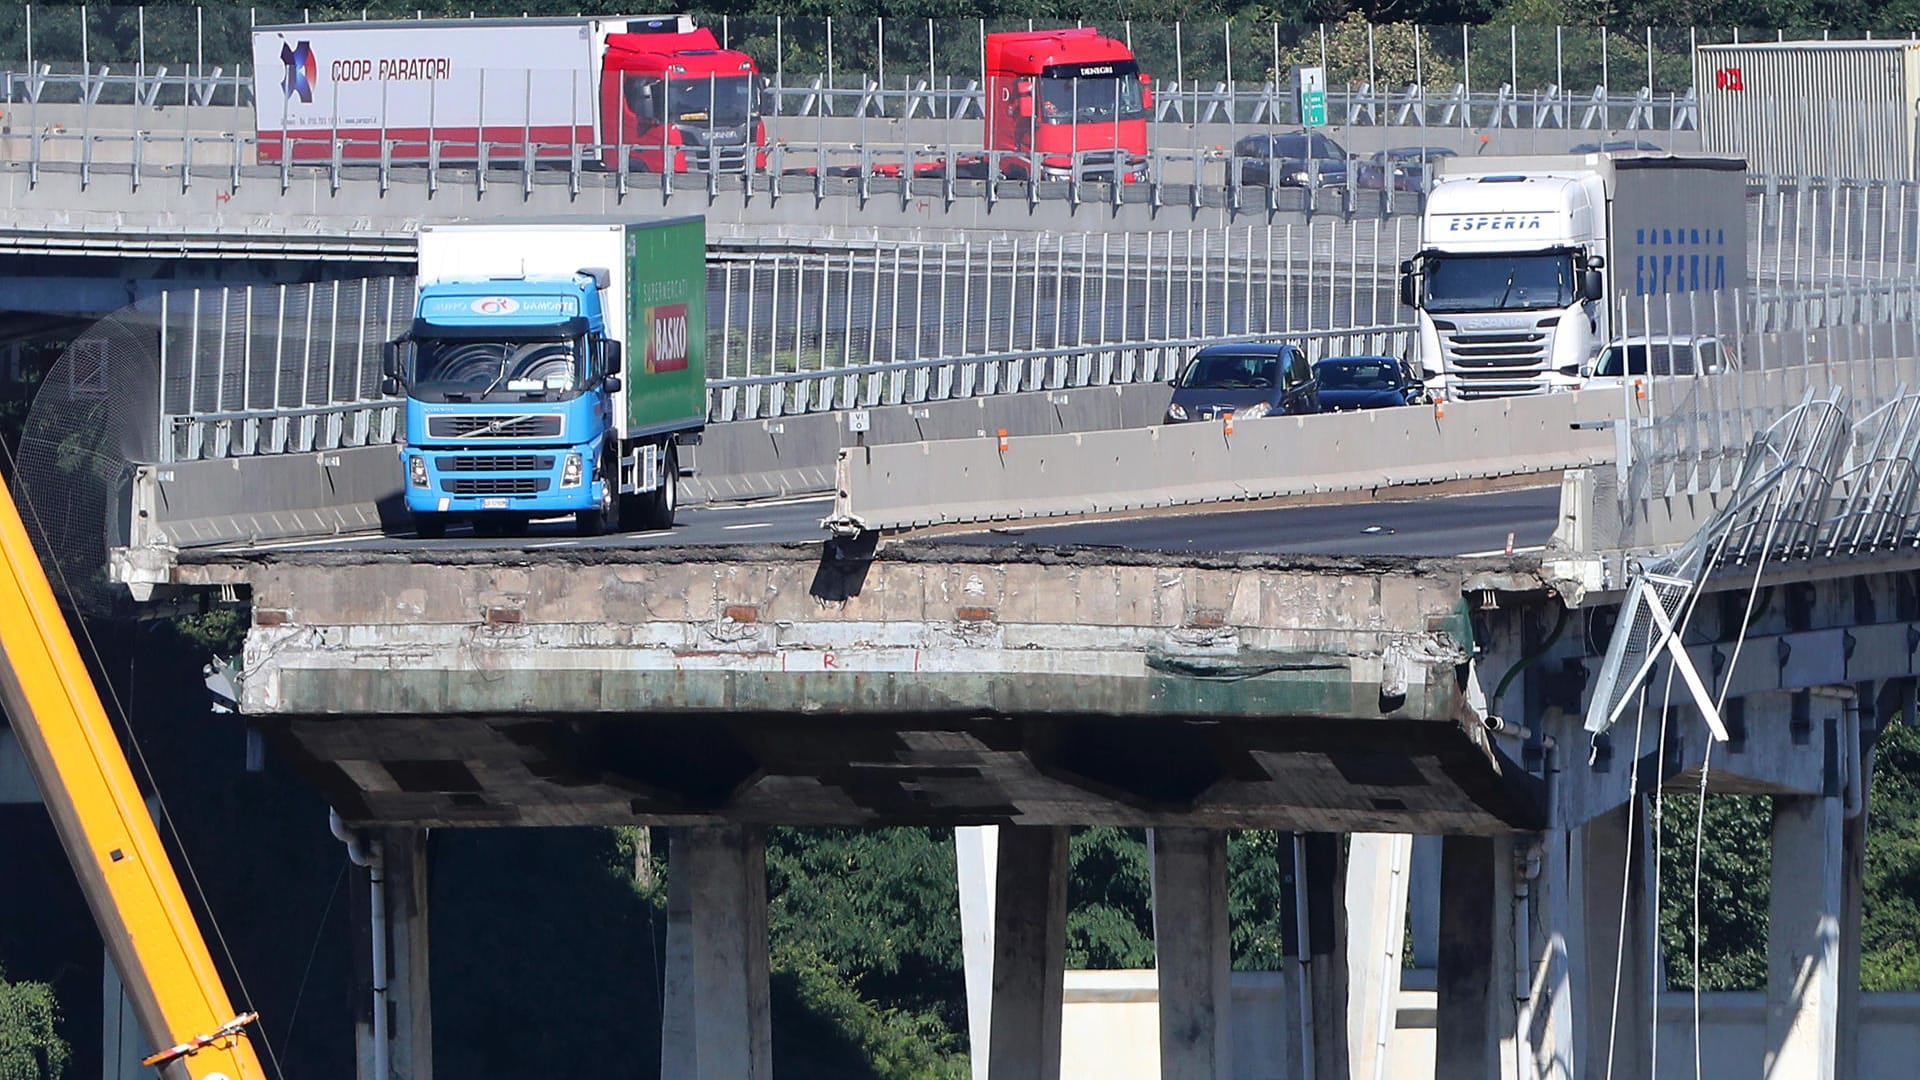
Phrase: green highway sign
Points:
(1310, 90)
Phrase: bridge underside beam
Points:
(793, 768)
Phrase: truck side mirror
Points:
(613, 357)
(390, 386)
(613, 384)
(1146, 92)
(390, 360)
(1592, 286)
(1410, 289)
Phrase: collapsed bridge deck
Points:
(919, 684)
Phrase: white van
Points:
(1656, 355)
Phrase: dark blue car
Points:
(1366, 382)
(1249, 381)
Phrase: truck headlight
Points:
(1176, 411)
(1253, 412)
(417, 470)
(570, 472)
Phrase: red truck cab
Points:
(1052, 94)
(680, 101)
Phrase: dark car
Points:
(1290, 159)
(1366, 382)
(1249, 381)
(1617, 146)
(1406, 168)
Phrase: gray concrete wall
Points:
(1111, 1030)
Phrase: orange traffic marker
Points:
(1003, 440)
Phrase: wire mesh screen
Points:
(1633, 640)
(96, 414)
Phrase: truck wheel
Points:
(665, 499)
(428, 526)
(597, 521)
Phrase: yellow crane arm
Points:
(109, 837)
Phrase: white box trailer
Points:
(409, 84)
(1835, 109)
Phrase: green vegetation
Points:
(1890, 936)
(30, 1046)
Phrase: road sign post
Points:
(1310, 92)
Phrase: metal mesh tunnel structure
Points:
(95, 415)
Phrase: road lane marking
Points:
(759, 504)
(749, 525)
(1500, 551)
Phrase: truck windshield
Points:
(719, 100)
(1089, 100)
(468, 369)
(1499, 282)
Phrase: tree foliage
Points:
(30, 1047)
(1890, 935)
(1734, 865)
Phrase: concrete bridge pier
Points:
(1475, 1021)
(1029, 953)
(1613, 942)
(1379, 868)
(715, 1020)
(1192, 953)
(393, 1030)
(1804, 914)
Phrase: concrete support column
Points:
(1378, 867)
(410, 1035)
(676, 996)
(1614, 953)
(1475, 1025)
(976, 850)
(122, 1044)
(1803, 938)
(1192, 953)
(1552, 1041)
(714, 1018)
(1326, 952)
(393, 1025)
(1853, 887)
(1423, 902)
(16, 783)
(1029, 953)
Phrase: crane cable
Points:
(1686, 619)
(117, 713)
(1706, 762)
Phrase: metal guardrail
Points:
(1217, 102)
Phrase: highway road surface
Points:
(1449, 525)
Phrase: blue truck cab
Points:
(510, 387)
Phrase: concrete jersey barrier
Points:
(986, 479)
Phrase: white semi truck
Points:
(1528, 266)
